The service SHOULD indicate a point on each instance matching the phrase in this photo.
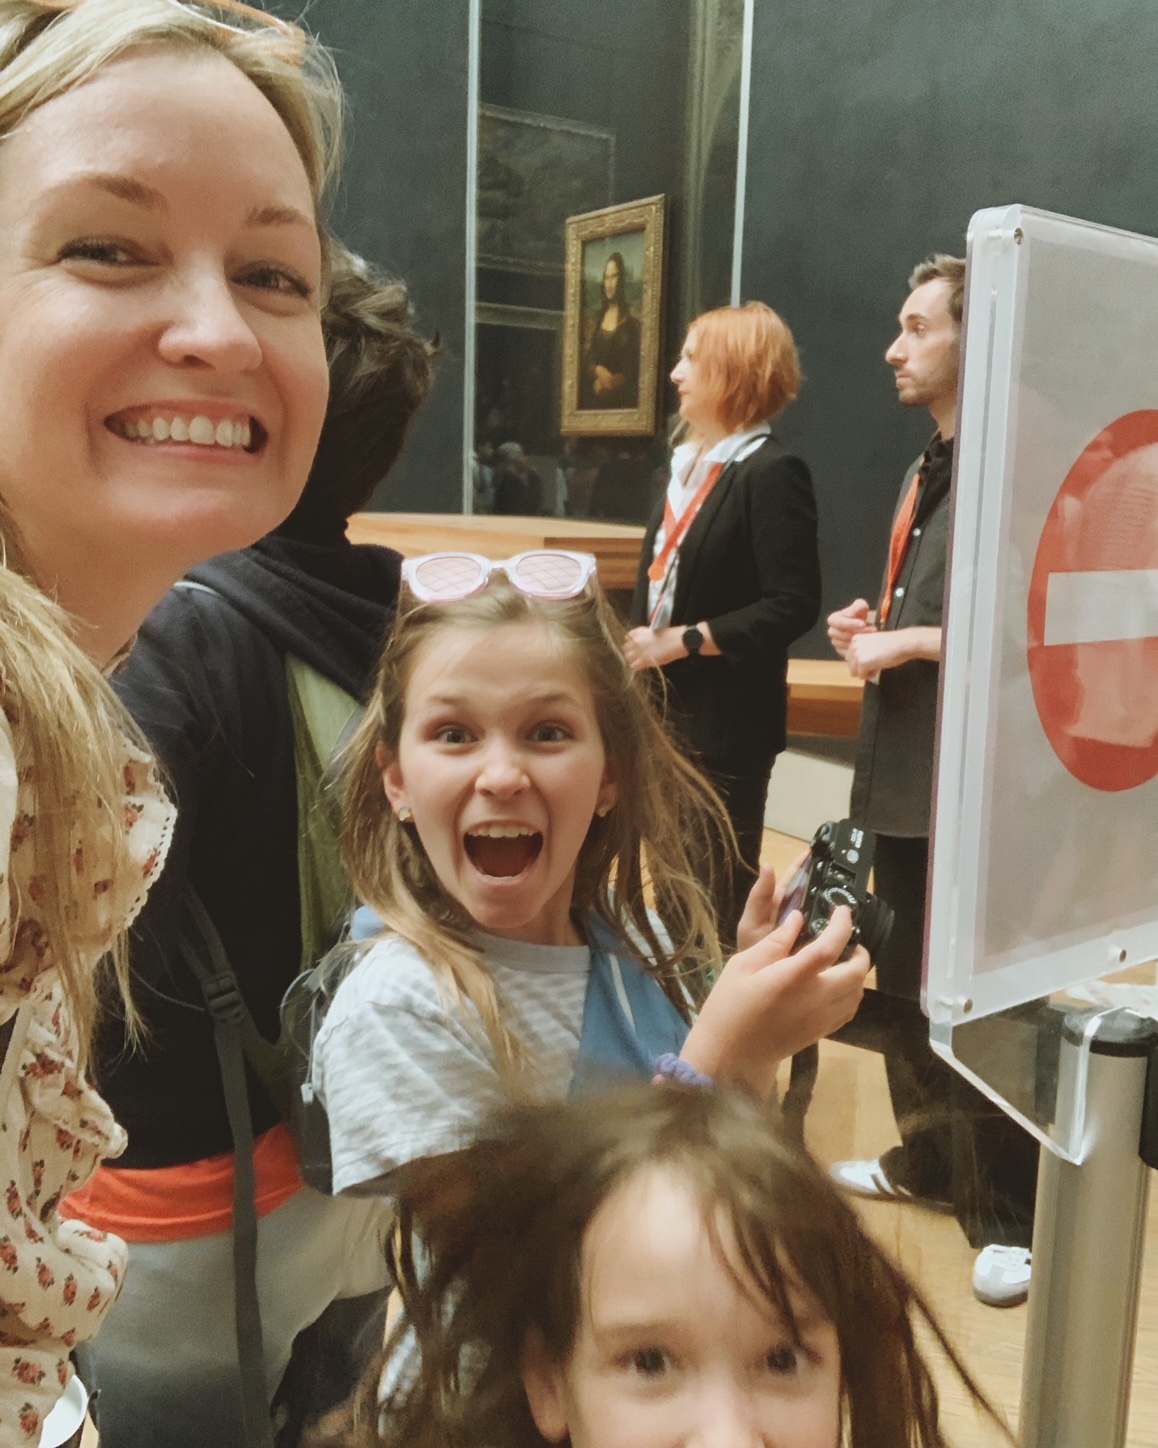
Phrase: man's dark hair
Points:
(940, 267)
(380, 373)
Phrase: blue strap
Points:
(628, 1021)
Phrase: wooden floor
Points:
(850, 1116)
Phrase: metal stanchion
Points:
(1087, 1244)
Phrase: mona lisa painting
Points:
(612, 322)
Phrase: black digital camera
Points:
(836, 872)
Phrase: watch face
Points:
(693, 640)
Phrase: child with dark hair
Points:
(659, 1267)
(207, 682)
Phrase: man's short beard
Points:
(915, 394)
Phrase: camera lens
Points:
(875, 924)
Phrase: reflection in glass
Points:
(583, 107)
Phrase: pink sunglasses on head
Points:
(539, 573)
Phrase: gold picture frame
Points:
(613, 319)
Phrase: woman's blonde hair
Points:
(69, 732)
(67, 724)
(654, 847)
(48, 47)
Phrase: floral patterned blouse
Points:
(58, 1278)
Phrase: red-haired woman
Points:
(730, 574)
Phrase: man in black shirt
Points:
(957, 1150)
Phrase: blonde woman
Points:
(164, 383)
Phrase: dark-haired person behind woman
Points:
(730, 573)
(611, 360)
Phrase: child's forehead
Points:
(659, 1248)
(469, 648)
(656, 1224)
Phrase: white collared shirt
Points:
(688, 470)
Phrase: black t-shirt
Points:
(892, 790)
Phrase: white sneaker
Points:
(1001, 1275)
(868, 1179)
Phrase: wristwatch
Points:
(693, 640)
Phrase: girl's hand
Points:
(768, 1003)
(764, 903)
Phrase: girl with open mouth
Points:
(538, 851)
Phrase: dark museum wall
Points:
(872, 141)
(603, 62)
(621, 69)
(402, 200)
(600, 62)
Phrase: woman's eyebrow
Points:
(279, 216)
(138, 193)
(124, 188)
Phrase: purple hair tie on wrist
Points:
(675, 1068)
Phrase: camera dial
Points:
(836, 895)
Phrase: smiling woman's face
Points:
(162, 368)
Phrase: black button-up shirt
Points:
(892, 789)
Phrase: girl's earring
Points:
(603, 811)
(405, 814)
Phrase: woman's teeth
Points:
(502, 832)
(198, 429)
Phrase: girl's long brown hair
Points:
(654, 848)
(501, 1228)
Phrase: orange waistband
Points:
(176, 1203)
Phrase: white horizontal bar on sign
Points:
(1097, 608)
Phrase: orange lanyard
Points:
(674, 529)
(898, 544)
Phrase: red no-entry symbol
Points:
(1093, 610)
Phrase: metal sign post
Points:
(1088, 1241)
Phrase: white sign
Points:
(1045, 843)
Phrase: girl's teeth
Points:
(225, 433)
(179, 430)
(202, 431)
(242, 436)
(160, 429)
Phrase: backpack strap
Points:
(320, 712)
(232, 1023)
(628, 1020)
(323, 716)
